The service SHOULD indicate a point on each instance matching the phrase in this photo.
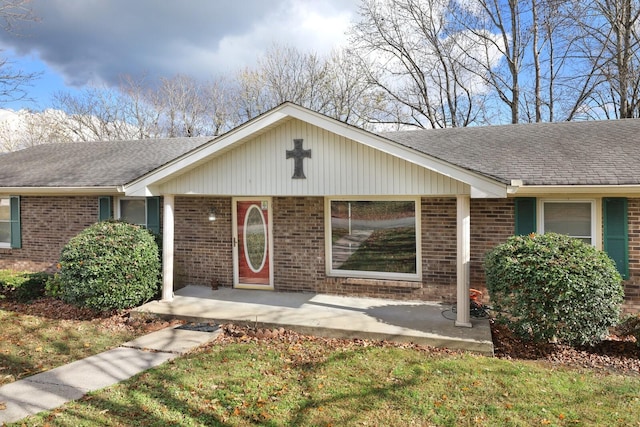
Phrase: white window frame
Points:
(7, 245)
(595, 236)
(118, 208)
(331, 272)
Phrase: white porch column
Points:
(167, 247)
(463, 317)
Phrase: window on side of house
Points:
(573, 218)
(5, 222)
(133, 211)
(374, 238)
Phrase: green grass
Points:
(34, 343)
(315, 382)
(31, 344)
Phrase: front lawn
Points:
(295, 380)
(56, 334)
(291, 379)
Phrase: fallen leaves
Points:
(613, 354)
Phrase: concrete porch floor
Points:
(332, 316)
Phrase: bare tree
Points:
(502, 33)
(611, 47)
(560, 84)
(14, 82)
(250, 97)
(412, 56)
(336, 85)
(14, 11)
(95, 114)
(182, 106)
(29, 128)
(348, 95)
(220, 116)
(138, 107)
(189, 107)
(282, 74)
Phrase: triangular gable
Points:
(335, 166)
(251, 159)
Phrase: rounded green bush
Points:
(110, 265)
(553, 287)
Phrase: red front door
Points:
(252, 243)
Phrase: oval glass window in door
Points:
(255, 239)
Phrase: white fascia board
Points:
(536, 190)
(62, 191)
(142, 191)
(485, 187)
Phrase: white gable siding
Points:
(338, 166)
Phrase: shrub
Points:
(110, 265)
(22, 286)
(630, 326)
(553, 287)
(53, 287)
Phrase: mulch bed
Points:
(615, 353)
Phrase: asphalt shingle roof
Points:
(90, 164)
(560, 153)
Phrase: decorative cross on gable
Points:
(298, 154)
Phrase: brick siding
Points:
(298, 243)
(48, 223)
(439, 254)
(202, 248)
(492, 223)
(632, 286)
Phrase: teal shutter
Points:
(616, 236)
(16, 229)
(104, 204)
(153, 214)
(525, 216)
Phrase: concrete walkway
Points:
(419, 322)
(51, 389)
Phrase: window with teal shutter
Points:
(16, 228)
(616, 236)
(104, 212)
(153, 214)
(525, 215)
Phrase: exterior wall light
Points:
(212, 214)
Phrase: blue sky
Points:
(47, 83)
(77, 43)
